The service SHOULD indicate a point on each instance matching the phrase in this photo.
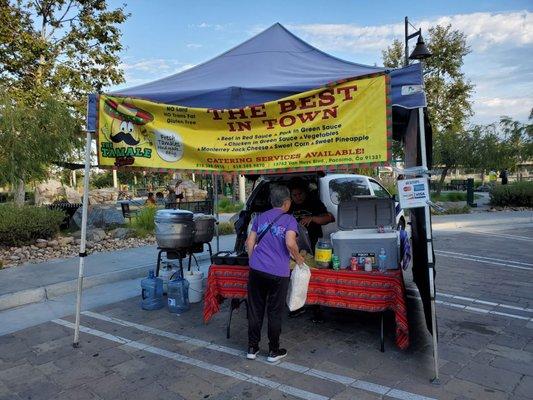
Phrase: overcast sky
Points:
(167, 36)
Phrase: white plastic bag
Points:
(297, 293)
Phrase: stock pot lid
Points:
(174, 215)
(203, 217)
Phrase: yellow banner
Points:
(345, 124)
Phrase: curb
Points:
(47, 292)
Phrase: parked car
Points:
(331, 189)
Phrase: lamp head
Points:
(420, 52)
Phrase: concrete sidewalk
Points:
(505, 218)
(31, 283)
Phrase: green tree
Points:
(32, 137)
(517, 140)
(393, 56)
(448, 93)
(60, 49)
(501, 145)
(63, 47)
(486, 148)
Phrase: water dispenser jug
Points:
(152, 292)
(178, 294)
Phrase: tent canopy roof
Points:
(273, 64)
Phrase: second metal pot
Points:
(204, 226)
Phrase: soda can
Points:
(335, 262)
(354, 263)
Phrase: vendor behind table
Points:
(308, 210)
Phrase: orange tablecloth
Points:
(356, 290)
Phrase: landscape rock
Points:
(47, 192)
(53, 243)
(67, 247)
(72, 195)
(66, 240)
(41, 243)
(100, 216)
(95, 235)
(53, 190)
(103, 196)
(119, 233)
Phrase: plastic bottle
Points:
(178, 294)
(382, 260)
(152, 292)
(323, 253)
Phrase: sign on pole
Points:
(413, 193)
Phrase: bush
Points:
(226, 205)
(452, 196)
(519, 194)
(226, 228)
(24, 224)
(144, 222)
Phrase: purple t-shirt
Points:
(271, 254)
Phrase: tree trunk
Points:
(441, 181)
(20, 193)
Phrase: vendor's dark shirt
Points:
(312, 207)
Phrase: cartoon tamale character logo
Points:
(127, 122)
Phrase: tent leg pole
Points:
(83, 253)
(435, 380)
(429, 246)
(215, 207)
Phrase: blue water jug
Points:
(178, 294)
(152, 292)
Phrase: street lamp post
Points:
(420, 52)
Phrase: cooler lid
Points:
(366, 212)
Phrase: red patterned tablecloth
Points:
(355, 290)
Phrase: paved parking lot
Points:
(485, 311)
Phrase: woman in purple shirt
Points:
(270, 245)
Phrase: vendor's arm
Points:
(250, 243)
(292, 246)
(252, 238)
(318, 219)
(321, 216)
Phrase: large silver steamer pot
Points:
(174, 228)
(204, 227)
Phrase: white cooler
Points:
(359, 220)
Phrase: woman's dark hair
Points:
(278, 195)
(299, 183)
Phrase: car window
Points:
(343, 189)
(379, 191)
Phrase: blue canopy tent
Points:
(271, 65)
(275, 64)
